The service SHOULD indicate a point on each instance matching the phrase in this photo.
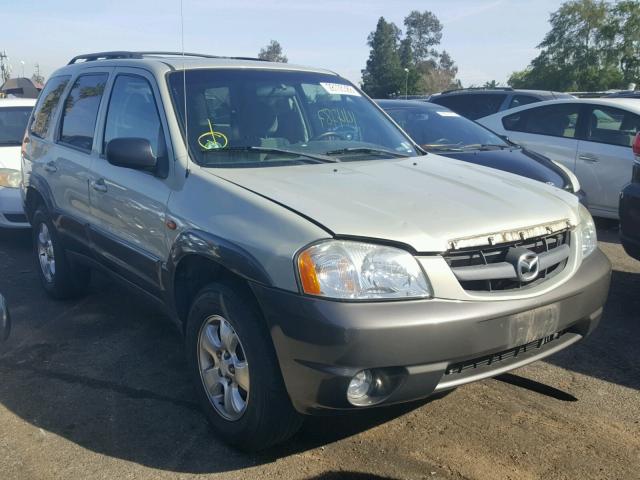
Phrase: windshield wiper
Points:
(314, 156)
(382, 151)
(485, 146)
(436, 147)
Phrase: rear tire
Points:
(60, 278)
(258, 413)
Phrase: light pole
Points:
(22, 63)
(406, 83)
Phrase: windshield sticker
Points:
(212, 140)
(448, 114)
(339, 89)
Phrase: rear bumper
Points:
(421, 347)
(11, 209)
(630, 219)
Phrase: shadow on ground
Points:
(107, 372)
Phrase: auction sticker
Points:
(339, 89)
(447, 114)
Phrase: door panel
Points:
(603, 171)
(559, 149)
(129, 205)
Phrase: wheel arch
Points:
(198, 258)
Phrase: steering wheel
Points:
(442, 141)
(330, 134)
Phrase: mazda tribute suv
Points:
(313, 257)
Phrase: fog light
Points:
(360, 386)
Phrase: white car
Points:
(591, 137)
(14, 115)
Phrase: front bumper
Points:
(423, 346)
(630, 219)
(11, 209)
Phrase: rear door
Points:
(129, 205)
(68, 167)
(549, 130)
(605, 158)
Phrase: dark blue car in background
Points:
(440, 130)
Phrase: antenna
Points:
(184, 88)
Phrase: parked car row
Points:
(439, 130)
(591, 137)
(313, 258)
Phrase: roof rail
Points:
(507, 89)
(90, 57)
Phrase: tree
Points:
(273, 53)
(414, 59)
(491, 84)
(424, 31)
(384, 74)
(592, 45)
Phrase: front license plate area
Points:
(534, 324)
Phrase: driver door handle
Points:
(587, 157)
(51, 167)
(99, 185)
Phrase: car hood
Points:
(10, 157)
(423, 202)
(516, 160)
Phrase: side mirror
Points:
(5, 319)
(133, 153)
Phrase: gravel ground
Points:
(97, 389)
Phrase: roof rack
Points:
(507, 89)
(90, 57)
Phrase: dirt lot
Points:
(98, 389)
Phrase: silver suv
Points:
(313, 257)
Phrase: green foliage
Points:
(411, 64)
(384, 74)
(592, 45)
(273, 53)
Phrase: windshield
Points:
(13, 123)
(442, 129)
(249, 118)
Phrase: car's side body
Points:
(475, 103)
(630, 208)
(591, 137)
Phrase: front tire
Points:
(60, 279)
(234, 367)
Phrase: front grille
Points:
(495, 358)
(497, 253)
(16, 217)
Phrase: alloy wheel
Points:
(224, 369)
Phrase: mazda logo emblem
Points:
(527, 267)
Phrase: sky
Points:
(488, 39)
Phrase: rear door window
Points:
(46, 106)
(612, 126)
(81, 111)
(472, 105)
(552, 120)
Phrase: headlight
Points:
(589, 238)
(10, 178)
(361, 271)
